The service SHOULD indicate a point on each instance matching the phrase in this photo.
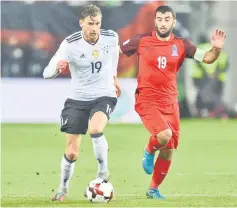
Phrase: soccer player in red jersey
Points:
(160, 54)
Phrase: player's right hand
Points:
(61, 66)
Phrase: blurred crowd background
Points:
(31, 32)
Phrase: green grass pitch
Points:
(203, 172)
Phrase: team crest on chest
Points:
(106, 49)
(174, 51)
(95, 54)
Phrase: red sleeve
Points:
(190, 49)
(130, 46)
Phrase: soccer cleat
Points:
(148, 162)
(60, 195)
(154, 194)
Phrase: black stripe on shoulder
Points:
(108, 34)
(74, 35)
(74, 39)
(106, 31)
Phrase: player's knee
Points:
(71, 154)
(95, 130)
(72, 146)
(164, 136)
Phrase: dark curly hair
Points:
(164, 8)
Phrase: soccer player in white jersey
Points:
(92, 58)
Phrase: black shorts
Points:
(76, 114)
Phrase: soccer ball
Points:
(99, 191)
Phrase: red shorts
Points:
(157, 118)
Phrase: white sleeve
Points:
(199, 54)
(61, 54)
(115, 56)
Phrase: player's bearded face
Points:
(91, 27)
(164, 24)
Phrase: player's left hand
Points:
(218, 38)
(117, 86)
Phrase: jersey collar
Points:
(89, 42)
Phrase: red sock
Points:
(153, 145)
(160, 171)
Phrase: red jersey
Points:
(158, 64)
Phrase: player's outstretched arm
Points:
(58, 63)
(120, 51)
(130, 46)
(115, 59)
(117, 86)
(217, 40)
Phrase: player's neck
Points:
(164, 39)
(89, 40)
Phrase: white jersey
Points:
(92, 66)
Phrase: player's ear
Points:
(81, 23)
(174, 23)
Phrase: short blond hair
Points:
(90, 10)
